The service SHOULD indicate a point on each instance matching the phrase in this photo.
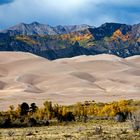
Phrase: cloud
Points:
(55, 12)
(5, 1)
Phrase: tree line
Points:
(32, 115)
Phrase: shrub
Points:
(11, 133)
(32, 122)
(69, 117)
(120, 117)
(136, 125)
(7, 123)
(98, 130)
(136, 121)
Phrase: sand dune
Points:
(26, 77)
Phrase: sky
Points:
(69, 12)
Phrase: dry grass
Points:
(72, 131)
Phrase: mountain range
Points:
(36, 28)
(68, 41)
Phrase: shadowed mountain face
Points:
(68, 41)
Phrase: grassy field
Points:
(110, 130)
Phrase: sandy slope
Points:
(26, 77)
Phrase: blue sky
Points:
(68, 12)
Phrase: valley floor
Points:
(74, 131)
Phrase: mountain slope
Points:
(68, 41)
(103, 78)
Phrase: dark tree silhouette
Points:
(24, 109)
(33, 107)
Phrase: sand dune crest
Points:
(26, 77)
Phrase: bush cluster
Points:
(32, 115)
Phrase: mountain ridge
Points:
(68, 41)
(36, 28)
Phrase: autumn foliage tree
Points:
(32, 114)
